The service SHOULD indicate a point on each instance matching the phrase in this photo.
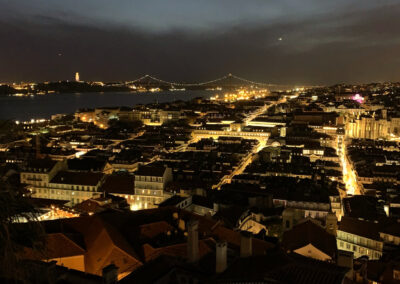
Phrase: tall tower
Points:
(77, 77)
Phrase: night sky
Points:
(276, 41)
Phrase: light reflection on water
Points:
(43, 106)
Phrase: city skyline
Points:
(281, 43)
(188, 141)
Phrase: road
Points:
(249, 158)
(349, 176)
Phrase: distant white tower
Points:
(77, 77)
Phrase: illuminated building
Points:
(74, 187)
(77, 79)
(233, 131)
(265, 122)
(373, 127)
(38, 174)
(360, 237)
(367, 128)
(150, 182)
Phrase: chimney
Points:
(246, 241)
(110, 274)
(345, 259)
(221, 256)
(193, 240)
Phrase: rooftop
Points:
(78, 178)
(44, 165)
(155, 171)
(86, 164)
(118, 183)
(359, 227)
(309, 232)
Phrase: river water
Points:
(43, 106)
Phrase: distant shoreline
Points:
(43, 106)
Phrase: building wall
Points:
(391, 239)
(72, 193)
(251, 225)
(149, 190)
(262, 137)
(130, 198)
(39, 181)
(200, 210)
(368, 128)
(336, 206)
(359, 245)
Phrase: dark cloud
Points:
(322, 49)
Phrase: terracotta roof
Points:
(123, 238)
(179, 250)
(47, 272)
(308, 271)
(43, 164)
(215, 229)
(86, 164)
(155, 171)
(106, 245)
(57, 245)
(309, 233)
(277, 267)
(161, 268)
(358, 227)
(362, 206)
(77, 178)
(154, 229)
(382, 271)
(391, 227)
(89, 206)
(120, 184)
(172, 201)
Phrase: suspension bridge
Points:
(229, 80)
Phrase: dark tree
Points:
(14, 236)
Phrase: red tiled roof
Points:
(89, 206)
(153, 229)
(121, 184)
(43, 164)
(214, 229)
(179, 250)
(117, 237)
(309, 233)
(155, 171)
(56, 245)
(358, 227)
